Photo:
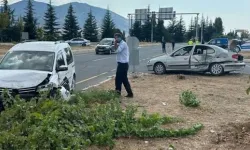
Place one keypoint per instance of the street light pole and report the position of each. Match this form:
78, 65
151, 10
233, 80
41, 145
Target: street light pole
152, 27
196, 36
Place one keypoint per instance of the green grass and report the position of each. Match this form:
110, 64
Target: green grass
89, 118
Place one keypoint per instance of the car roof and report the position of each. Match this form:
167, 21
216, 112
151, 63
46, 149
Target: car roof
39, 46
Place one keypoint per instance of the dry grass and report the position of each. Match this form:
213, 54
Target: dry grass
246, 55
224, 107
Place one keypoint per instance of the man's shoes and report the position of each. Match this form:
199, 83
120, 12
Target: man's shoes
130, 96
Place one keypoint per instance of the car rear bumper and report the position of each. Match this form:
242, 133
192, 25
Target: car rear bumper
234, 66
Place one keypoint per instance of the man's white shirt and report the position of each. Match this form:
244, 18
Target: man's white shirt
122, 53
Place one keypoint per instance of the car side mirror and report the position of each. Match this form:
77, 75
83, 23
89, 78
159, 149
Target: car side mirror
62, 68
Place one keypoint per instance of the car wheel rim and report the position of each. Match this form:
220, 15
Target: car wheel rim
217, 69
159, 68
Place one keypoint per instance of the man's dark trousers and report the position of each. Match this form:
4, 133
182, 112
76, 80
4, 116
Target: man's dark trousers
122, 78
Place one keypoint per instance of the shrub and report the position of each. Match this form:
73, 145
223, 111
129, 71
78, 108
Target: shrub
91, 118
189, 99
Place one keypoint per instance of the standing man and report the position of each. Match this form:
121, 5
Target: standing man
163, 43
122, 59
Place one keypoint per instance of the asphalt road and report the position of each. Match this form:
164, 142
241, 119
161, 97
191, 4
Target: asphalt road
92, 69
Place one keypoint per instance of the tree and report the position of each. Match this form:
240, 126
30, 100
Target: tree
30, 21
7, 10
137, 29
108, 26
90, 30
20, 23
172, 28
40, 33
159, 31
146, 31
191, 31
218, 26
4, 21
180, 31
50, 26
70, 25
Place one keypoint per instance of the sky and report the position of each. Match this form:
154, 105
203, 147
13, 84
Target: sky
235, 14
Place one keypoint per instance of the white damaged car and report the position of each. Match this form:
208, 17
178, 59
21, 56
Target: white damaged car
31, 67
198, 58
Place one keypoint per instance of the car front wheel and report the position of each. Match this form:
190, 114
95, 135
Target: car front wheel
216, 69
73, 86
159, 68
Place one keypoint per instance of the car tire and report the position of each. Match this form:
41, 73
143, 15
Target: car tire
216, 69
84, 44
73, 86
96, 53
238, 49
159, 69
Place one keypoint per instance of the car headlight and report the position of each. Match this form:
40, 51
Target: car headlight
45, 87
149, 61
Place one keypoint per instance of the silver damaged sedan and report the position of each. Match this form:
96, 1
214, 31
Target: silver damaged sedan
198, 58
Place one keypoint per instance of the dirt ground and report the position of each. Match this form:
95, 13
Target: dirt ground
224, 110
246, 55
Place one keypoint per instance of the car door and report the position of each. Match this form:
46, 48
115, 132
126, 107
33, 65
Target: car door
61, 61
70, 64
202, 56
179, 60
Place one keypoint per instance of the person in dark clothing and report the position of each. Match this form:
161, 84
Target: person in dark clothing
163, 43
173, 44
123, 66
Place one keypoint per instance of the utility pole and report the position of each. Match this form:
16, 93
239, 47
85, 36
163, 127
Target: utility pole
196, 35
152, 27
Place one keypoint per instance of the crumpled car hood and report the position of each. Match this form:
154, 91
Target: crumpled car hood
21, 78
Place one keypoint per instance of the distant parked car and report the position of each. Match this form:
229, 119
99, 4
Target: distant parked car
78, 41
198, 58
221, 42
106, 46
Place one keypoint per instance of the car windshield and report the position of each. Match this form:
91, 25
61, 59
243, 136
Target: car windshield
28, 60
106, 42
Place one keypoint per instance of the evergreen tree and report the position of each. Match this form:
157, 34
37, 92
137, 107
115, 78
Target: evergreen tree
137, 29
108, 26
40, 33
50, 26
159, 31
30, 21
20, 23
172, 29
90, 28
10, 13
180, 31
71, 25
146, 31
191, 30
218, 26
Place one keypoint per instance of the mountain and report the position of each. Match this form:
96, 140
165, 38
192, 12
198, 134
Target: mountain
81, 11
